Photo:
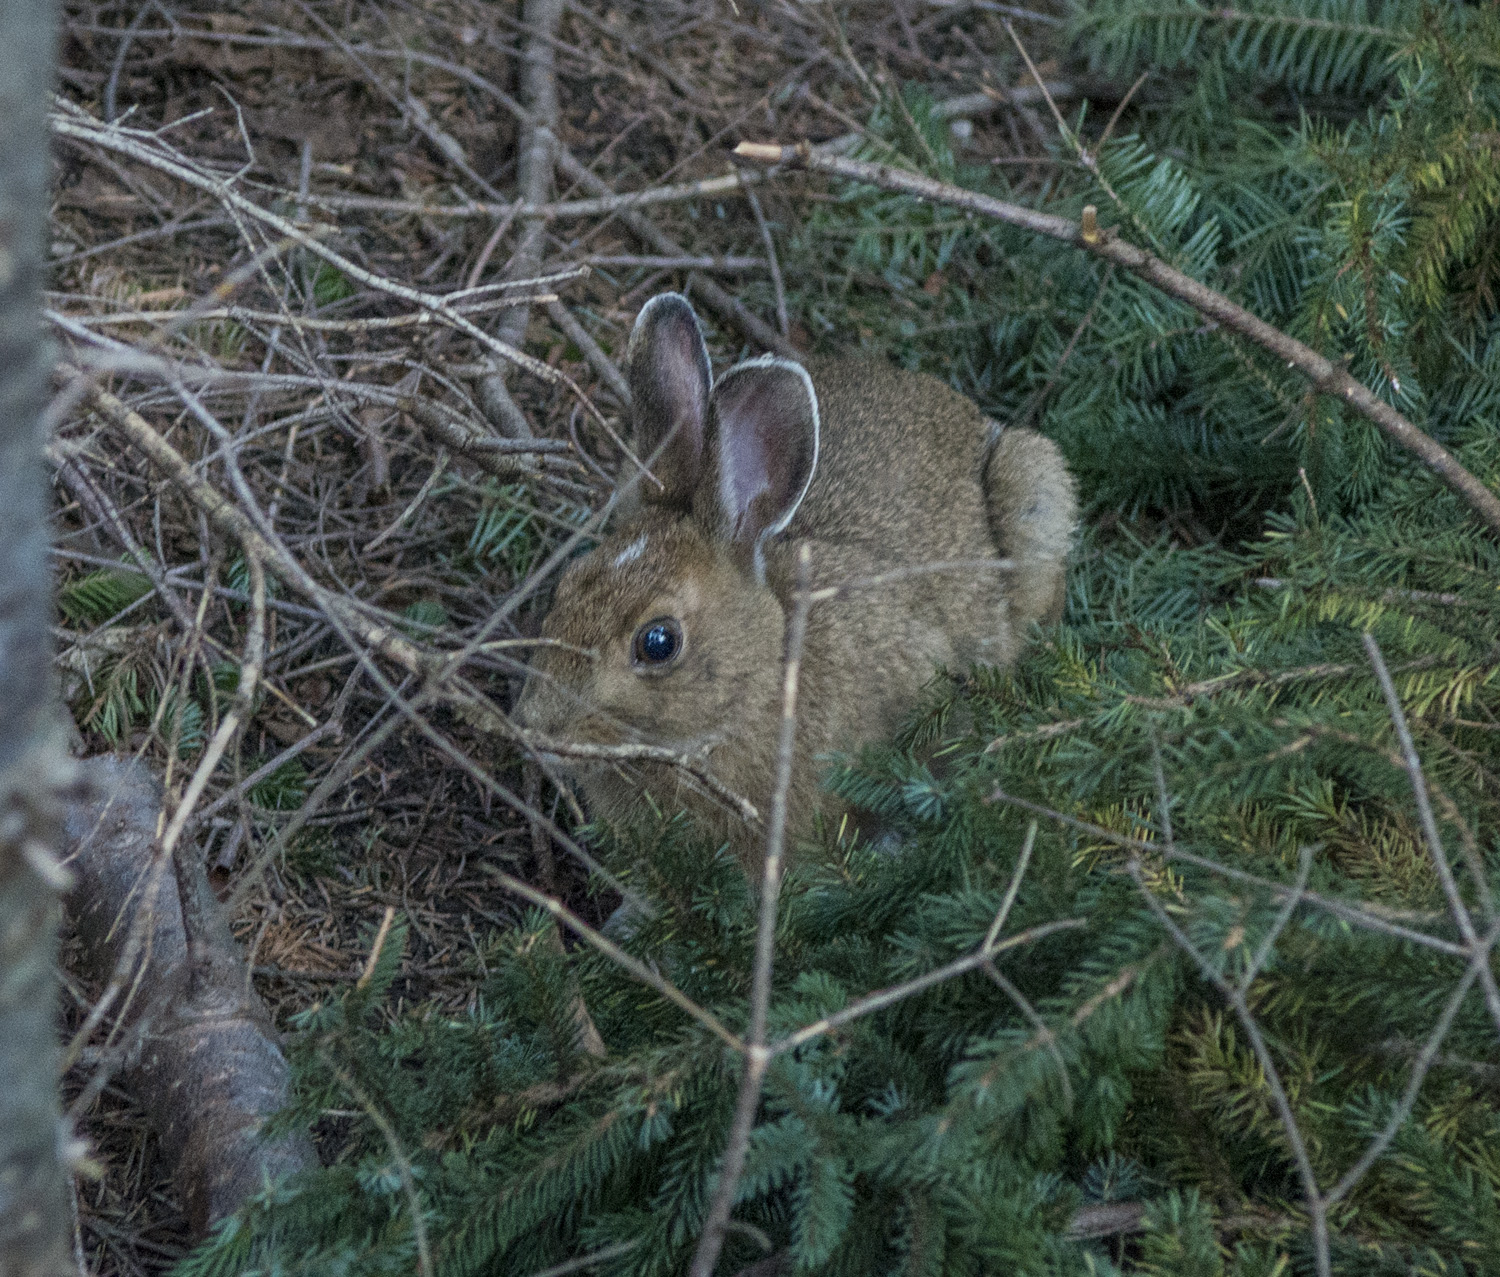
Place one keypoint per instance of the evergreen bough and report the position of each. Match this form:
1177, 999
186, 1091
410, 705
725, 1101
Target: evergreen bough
1334, 167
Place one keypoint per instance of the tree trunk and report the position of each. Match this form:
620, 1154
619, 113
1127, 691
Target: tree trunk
34, 1205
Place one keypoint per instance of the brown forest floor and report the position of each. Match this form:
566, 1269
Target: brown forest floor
369, 123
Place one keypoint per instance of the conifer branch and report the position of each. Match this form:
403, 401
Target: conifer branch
1318, 1201
617, 955
1426, 1058
1317, 1204
1363, 915
984, 956
1186, 694
398, 1156
1042, 1031
1327, 376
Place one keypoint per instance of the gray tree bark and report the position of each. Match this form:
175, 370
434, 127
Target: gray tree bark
34, 768
203, 1061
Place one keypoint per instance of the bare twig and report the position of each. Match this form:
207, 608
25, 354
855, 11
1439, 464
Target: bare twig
250, 671
1043, 1030
112, 85
443, 142
1023, 861
694, 767
1188, 693
538, 141
757, 1056
882, 579
137, 431
591, 1260
347, 618
542, 211
303, 323
376, 945
782, 322
728, 263
727, 307
139, 147
269, 768
506, 459
601, 363
1413, 766
1279, 924
1462, 919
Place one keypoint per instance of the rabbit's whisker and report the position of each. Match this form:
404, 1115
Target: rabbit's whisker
497, 645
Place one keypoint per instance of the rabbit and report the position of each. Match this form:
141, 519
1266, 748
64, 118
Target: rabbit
672, 632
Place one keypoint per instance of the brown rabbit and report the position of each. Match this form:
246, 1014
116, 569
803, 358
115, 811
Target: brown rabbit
672, 631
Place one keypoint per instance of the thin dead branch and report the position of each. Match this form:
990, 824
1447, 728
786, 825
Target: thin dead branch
144, 149
538, 141
1463, 919
757, 1057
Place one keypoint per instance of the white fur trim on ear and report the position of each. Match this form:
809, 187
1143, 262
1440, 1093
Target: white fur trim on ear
776, 361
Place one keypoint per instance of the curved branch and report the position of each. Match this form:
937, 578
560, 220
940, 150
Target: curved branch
1325, 375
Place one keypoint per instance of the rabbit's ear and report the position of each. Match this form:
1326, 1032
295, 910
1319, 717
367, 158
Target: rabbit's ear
763, 448
670, 380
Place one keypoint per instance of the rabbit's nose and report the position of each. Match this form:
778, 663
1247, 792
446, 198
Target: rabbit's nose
538, 709
525, 714
526, 707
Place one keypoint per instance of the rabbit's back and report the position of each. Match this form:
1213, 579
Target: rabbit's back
897, 495
899, 465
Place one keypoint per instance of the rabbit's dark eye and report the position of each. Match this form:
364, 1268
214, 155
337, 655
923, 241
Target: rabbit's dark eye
657, 642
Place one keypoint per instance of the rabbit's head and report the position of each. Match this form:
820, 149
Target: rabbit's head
667, 633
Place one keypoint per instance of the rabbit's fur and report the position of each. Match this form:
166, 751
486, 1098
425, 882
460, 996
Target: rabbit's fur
874, 468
